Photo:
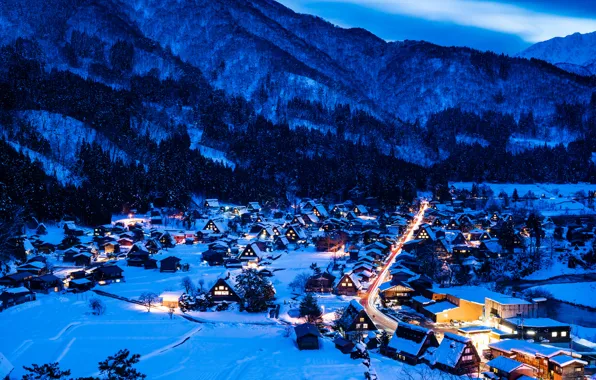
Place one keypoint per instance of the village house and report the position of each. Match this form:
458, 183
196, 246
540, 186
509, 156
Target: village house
538, 329
15, 296
251, 253
399, 292
320, 283
224, 291
360, 210
348, 285
211, 203
107, 274
410, 342
355, 319
253, 207
456, 354
46, 283
504, 368
307, 336
16, 280
551, 362
169, 264
171, 299
35, 267
295, 234
80, 285
215, 226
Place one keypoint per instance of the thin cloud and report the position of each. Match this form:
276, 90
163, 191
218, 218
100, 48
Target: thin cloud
530, 25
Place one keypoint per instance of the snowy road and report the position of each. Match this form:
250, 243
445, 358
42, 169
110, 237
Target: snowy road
381, 320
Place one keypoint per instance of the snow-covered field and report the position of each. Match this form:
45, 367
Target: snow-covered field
580, 293
554, 199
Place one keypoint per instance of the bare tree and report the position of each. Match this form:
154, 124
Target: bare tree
97, 306
148, 300
189, 287
298, 285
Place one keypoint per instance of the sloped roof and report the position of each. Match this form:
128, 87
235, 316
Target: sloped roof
505, 364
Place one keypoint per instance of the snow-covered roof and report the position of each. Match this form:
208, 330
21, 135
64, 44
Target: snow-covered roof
505, 364
356, 305
537, 322
450, 350
529, 348
423, 300
477, 294
80, 281
565, 360
440, 307
20, 289
34, 264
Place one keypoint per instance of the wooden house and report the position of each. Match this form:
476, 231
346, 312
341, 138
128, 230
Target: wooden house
211, 203
16, 280
344, 345
104, 230
46, 248
320, 283
320, 211
83, 259
41, 229
551, 362
356, 319
281, 243
111, 247
125, 242
224, 291
80, 284
400, 292
360, 210
46, 283
153, 246
169, 264
425, 232
252, 253
171, 299
253, 207
35, 267
298, 220
307, 336
214, 258
107, 274
15, 296
166, 240
504, 368
216, 226
295, 234
456, 354
348, 285
410, 342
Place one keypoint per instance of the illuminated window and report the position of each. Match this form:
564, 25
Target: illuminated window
361, 319
468, 358
365, 325
578, 369
531, 332
554, 334
563, 333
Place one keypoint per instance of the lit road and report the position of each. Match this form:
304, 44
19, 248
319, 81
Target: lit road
369, 298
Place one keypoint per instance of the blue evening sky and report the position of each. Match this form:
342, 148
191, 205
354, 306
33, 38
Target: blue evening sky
503, 26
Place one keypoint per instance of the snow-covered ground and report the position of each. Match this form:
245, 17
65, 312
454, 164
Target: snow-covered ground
554, 199
579, 293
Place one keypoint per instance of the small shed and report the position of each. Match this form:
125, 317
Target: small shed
171, 299
307, 336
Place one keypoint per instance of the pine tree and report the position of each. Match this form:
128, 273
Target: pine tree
255, 290
309, 309
120, 366
50, 371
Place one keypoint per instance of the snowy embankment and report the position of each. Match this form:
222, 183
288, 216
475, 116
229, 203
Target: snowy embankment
578, 293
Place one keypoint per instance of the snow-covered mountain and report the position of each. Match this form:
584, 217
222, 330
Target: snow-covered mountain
575, 53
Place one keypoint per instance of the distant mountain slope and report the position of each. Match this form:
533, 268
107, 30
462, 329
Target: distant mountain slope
575, 53
264, 51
